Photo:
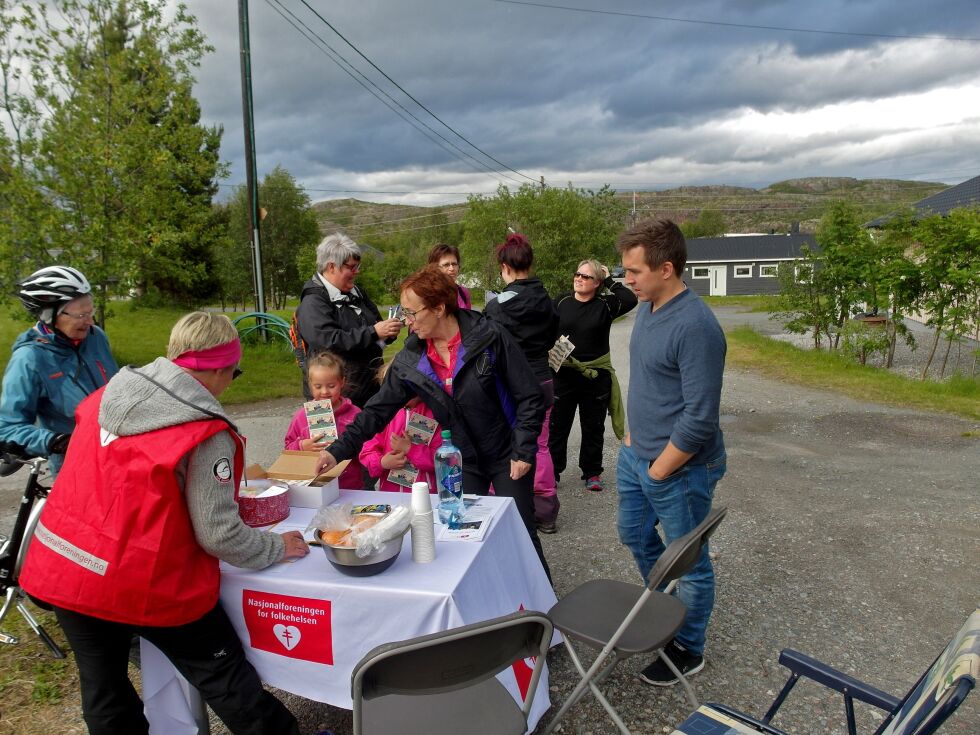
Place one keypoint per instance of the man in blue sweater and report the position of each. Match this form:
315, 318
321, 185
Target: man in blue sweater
674, 453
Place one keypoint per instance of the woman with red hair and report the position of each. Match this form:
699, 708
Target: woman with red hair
474, 377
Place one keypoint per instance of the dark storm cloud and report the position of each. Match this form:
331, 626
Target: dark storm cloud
571, 93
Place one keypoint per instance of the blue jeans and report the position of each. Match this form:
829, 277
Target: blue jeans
679, 503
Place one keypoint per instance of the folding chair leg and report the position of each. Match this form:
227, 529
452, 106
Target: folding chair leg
681, 678
589, 679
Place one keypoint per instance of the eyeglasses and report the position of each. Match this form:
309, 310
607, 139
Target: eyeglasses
236, 373
83, 317
355, 268
586, 276
410, 315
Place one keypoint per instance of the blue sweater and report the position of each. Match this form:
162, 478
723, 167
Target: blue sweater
677, 358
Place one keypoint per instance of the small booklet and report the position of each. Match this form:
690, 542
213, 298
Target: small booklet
474, 523
320, 419
404, 476
420, 429
560, 352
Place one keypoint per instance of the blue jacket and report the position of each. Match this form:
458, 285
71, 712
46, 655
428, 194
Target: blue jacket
45, 380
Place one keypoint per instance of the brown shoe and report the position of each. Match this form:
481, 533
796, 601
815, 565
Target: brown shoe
548, 527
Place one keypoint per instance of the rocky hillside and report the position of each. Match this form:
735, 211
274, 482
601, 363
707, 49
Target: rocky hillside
745, 209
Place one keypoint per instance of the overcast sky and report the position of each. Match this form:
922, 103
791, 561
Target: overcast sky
596, 98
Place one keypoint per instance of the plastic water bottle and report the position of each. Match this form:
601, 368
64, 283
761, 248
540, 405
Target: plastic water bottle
449, 479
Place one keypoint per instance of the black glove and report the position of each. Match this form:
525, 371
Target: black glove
58, 444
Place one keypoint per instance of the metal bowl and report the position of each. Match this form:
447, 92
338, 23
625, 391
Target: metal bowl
346, 560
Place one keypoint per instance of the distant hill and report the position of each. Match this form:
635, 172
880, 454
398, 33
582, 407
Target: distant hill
745, 209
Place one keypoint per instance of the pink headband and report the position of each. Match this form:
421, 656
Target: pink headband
213, 358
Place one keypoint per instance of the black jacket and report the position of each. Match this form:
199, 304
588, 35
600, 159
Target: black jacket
495, 411
526, 310
587, 323
335, 326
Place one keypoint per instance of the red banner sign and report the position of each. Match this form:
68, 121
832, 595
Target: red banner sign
295, 627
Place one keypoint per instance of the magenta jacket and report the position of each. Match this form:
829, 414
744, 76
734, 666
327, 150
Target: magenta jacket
351, 478
420, 455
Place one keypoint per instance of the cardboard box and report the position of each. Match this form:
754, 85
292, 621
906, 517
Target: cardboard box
293, 466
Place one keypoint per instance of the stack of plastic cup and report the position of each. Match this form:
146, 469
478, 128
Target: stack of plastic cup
423, 534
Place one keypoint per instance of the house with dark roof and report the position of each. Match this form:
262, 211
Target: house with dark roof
741, 265
966, 194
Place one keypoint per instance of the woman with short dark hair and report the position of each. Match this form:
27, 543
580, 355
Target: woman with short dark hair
448, 259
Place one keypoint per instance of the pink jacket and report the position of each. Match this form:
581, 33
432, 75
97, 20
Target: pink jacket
299, 429
420, 455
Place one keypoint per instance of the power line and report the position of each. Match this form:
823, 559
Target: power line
333, 55
752, 26
411, 97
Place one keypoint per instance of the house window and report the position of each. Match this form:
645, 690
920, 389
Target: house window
768, 271
699, 273
743, 271
803, 273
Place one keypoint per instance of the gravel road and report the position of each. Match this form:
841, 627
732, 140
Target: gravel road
852, 535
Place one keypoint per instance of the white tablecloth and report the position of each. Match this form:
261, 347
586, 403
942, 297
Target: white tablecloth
305, 625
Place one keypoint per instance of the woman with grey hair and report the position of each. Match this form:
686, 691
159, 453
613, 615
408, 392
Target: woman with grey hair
335, 315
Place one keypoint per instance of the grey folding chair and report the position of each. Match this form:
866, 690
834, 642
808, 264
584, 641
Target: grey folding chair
445, 683
932, 699
623, 619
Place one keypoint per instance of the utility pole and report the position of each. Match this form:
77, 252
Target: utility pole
633, 213
542, 182
251, 174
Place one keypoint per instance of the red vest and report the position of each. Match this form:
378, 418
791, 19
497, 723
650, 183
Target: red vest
115, 539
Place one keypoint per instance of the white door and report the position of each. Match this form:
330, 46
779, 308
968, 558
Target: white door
719, 280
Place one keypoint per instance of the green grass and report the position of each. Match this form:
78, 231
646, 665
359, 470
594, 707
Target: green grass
746, 303
139, 335
749, 349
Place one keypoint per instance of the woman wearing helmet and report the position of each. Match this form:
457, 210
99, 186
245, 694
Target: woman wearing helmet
53, 365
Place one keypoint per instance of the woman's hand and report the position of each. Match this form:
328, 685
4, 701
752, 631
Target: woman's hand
325, 463
311, 445
393, 460
518, 468
296, 546
388, 328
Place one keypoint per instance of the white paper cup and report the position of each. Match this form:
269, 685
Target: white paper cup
420, 497
423, 538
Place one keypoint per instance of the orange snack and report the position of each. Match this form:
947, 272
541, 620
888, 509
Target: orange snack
335, 538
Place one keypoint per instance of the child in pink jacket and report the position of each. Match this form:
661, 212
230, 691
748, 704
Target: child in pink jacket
392, 454
325, 376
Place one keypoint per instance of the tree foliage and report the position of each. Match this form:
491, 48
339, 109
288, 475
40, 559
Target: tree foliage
113, 164
564, 227
710, 223
288, 231
929, 265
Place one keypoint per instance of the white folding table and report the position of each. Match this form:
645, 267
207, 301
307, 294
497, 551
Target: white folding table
305, 625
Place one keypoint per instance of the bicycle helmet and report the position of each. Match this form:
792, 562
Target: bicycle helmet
43, 292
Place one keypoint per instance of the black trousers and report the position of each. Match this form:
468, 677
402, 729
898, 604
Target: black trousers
591, 397
207, 652
522, 491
